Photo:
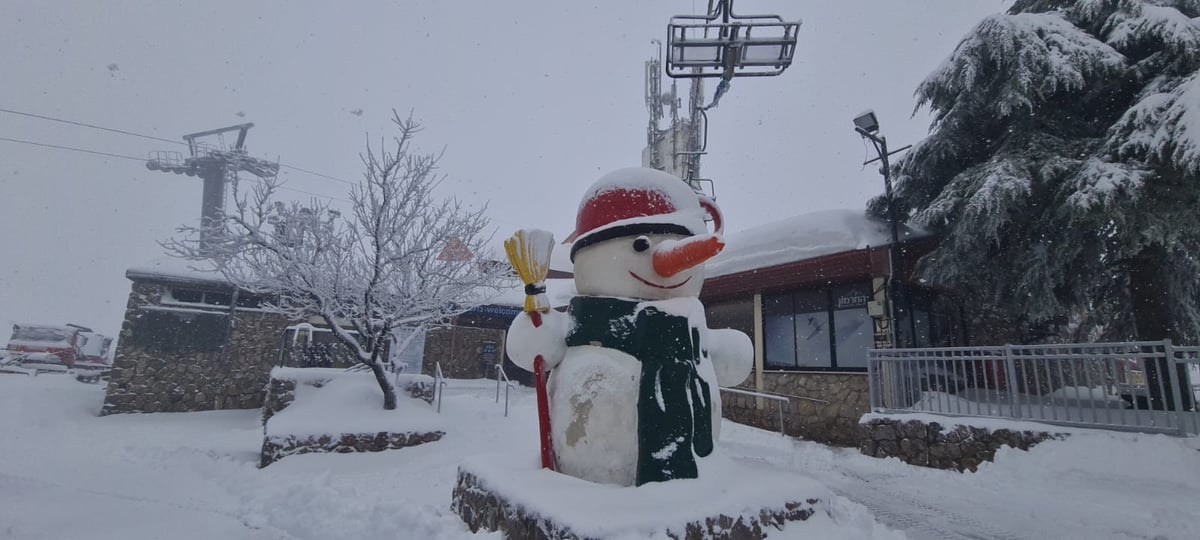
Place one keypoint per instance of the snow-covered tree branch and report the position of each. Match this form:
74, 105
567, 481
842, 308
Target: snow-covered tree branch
1062, 170
401, 259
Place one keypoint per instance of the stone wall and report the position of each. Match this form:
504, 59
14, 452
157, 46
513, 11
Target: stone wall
459, 349
484, 509
172, 374
277, 448
835, 422
961, 448
281, 392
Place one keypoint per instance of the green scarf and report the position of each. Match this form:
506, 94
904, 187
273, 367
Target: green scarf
674, 413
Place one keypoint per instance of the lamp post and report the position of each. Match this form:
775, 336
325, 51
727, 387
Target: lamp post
868, 127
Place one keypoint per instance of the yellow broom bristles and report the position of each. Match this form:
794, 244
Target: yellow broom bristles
529, 252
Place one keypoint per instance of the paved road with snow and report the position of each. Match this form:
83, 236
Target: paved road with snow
1099, 485
68, 474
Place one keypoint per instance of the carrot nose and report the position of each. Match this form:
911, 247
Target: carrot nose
675, 257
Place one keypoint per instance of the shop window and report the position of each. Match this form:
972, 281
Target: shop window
249, 301
218, 298
812, 329
179, 295
180, 331
779, 331
818, 328
186, 296
926, 323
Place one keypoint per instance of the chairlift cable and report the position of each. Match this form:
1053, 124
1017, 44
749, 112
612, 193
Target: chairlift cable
109, 154
151, 137
93, 126
71, 148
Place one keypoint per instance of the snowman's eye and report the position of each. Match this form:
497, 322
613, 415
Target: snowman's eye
641, 244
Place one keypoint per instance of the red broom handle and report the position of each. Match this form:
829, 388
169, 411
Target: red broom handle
543, 402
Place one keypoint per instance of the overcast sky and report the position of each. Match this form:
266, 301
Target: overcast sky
532, 101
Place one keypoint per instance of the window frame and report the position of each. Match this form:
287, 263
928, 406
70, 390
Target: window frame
830, 310
169, 298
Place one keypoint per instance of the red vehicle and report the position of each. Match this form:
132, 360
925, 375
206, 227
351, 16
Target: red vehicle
69, 346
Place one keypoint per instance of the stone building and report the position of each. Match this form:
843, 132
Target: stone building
809, 291
190, 343
470, 347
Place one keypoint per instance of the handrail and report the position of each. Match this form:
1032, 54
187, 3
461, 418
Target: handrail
439, 384
780, 399
508, 384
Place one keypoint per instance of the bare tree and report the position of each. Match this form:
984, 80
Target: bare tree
402, 259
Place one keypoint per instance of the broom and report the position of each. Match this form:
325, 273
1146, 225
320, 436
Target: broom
529, 254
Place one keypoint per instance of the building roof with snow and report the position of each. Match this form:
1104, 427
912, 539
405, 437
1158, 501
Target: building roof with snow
803, 237
176, 270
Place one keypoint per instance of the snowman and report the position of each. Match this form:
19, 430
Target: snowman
634, 370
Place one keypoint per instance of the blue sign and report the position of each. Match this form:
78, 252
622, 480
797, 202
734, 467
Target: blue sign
493, 310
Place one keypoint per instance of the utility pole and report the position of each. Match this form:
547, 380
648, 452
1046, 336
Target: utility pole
867, 126
215, 166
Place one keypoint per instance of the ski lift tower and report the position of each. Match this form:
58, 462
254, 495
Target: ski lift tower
722, 44
215, 165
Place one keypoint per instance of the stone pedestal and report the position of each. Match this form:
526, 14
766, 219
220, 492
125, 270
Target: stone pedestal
734, 501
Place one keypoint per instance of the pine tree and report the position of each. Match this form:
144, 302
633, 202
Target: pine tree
1062, 171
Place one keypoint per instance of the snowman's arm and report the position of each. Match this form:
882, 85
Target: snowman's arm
526, 341
732, 355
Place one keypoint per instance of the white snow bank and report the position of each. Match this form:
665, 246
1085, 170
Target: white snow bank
308, 375
803, 237
195, 476
350, 403
725, 487
313, 376
1116, 471
1084, 393
1094, 484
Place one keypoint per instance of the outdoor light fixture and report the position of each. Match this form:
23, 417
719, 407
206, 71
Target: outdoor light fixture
867, 126
723, 44
867, 122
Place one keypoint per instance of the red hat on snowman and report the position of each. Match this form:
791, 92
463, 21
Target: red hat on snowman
636, 201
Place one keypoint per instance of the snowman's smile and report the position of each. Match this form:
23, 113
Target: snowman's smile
652, 284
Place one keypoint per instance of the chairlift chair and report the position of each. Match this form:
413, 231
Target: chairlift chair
726, 45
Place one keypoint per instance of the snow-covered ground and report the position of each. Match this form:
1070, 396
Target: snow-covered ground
67, 474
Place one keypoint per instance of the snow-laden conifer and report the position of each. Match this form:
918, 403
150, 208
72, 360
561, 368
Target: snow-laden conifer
1062, 170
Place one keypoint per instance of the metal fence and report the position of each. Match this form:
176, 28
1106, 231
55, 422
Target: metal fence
1148, 386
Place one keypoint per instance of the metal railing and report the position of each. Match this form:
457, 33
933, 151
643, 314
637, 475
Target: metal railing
508, 384
782, 401
439, 384
1147, 386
